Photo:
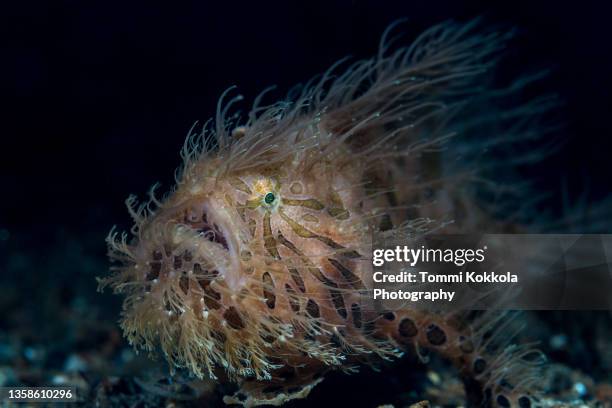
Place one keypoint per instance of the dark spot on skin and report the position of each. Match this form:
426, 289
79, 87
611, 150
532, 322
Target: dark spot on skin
178, 262
335, 340
479, 366
389, 316
503, 401
219, 336
233, 318
212, 297
385, 223
341, 249
269, 240
213, 235
347, 274
297, 278
294, 302
268, 290
407, 328
290, 245
312, 308
295, 274
436, 335
356, 312
268, 338
157, 255
184, 284
188, 256
220, 239
339, 213
208, 276
524, 402
316, 272
338, 302
154, 272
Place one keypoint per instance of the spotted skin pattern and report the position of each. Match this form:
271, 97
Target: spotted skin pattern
256, 268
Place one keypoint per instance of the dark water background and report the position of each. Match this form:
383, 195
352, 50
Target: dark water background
99, 96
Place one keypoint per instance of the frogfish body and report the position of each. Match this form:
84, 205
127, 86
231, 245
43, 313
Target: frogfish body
256, 268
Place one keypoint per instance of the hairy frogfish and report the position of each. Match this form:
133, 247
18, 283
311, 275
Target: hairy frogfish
254, 269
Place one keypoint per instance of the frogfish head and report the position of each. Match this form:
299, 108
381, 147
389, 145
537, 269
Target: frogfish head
251, 273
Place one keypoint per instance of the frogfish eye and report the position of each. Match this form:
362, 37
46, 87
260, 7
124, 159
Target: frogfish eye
269, 198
